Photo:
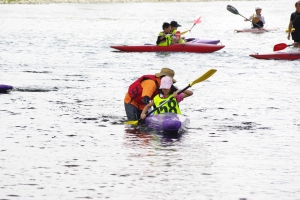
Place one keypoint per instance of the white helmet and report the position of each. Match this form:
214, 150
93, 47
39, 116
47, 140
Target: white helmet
258, 8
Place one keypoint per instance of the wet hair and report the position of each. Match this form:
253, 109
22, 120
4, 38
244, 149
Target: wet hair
298, 2
165, 25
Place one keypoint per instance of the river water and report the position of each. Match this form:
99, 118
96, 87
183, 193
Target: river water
62, 127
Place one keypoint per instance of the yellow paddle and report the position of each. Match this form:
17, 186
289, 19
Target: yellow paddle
205, 76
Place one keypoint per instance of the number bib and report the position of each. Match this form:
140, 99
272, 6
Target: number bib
170, 107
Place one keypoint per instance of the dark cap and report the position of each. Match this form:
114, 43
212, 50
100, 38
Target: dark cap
175, 24
165, 25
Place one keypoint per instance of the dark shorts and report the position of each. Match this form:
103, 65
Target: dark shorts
296, 36
132, 112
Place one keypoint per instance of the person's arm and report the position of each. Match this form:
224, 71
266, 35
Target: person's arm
187, 93
146, 108
249, 19
159, 39
183, 95
263, 20
184, 32
146, 100
290, 30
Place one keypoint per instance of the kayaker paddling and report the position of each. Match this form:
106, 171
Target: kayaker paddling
258, 20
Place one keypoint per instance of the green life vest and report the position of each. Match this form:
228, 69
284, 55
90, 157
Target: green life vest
167, 41
170, 107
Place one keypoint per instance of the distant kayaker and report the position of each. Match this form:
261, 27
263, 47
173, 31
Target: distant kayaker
164, 37
166, 92
258, 21
295, 24
176, 35
142, 91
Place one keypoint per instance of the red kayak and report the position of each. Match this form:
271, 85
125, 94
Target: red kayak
187, 47
256, 30
277, 56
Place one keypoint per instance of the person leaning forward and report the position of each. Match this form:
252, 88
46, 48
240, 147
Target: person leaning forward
142, 91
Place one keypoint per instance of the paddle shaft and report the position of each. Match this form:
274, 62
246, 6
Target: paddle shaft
192, 27
253, 23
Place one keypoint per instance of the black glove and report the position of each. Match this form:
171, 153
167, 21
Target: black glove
146, 100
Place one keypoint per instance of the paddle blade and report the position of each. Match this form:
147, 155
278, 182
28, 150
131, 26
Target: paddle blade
132, 122
232, 10
205, 76
280, 46
198, 20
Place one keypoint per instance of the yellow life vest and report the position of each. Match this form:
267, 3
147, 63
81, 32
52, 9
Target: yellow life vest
170, 107
167, 41
255, 19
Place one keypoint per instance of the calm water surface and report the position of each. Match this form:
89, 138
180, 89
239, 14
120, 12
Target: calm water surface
62, 127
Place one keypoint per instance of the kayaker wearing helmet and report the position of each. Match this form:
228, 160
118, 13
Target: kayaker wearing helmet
258, 21
142, 91
295, 24
164, 37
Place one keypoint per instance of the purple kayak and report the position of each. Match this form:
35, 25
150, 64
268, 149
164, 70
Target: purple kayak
5, 88
202, 40
168, 122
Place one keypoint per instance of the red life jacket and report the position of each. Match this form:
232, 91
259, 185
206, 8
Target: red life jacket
135, 89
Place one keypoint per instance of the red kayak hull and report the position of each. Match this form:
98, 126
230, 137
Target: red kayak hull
256, 30
187, 47
277, 56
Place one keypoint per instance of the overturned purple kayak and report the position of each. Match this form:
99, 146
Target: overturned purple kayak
5, 88
168, 122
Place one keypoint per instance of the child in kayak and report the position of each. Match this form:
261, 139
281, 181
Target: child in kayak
176, 35
142, 90
164, 37
167, 91
258, 21
295, 24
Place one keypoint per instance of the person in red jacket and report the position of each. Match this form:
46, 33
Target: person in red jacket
142, 91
